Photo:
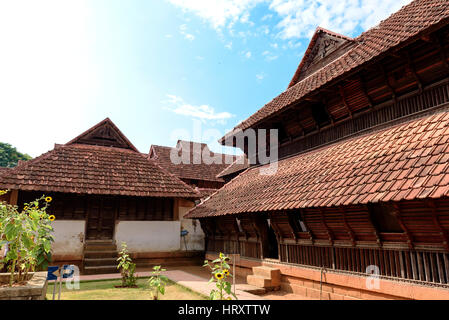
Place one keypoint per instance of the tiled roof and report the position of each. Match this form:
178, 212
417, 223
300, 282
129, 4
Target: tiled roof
403, 25
403, 162
240, 164
205, 192
309, 51
3, 170
192, 170
114, 167
90, 169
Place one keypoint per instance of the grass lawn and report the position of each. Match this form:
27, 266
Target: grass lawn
105, 290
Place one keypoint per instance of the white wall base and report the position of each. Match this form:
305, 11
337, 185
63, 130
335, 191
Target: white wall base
148, 236
69, 237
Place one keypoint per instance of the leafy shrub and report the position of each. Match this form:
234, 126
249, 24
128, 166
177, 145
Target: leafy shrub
27, 236
127, 267
157, 282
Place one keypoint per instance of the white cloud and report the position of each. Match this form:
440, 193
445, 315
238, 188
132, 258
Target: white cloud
228, 45
298, 18
202, 112
247, 54
218, 12
266, 17
269, 56
260, 76
183, 31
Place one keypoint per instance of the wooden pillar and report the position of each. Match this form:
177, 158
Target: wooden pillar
176, 209
13, 197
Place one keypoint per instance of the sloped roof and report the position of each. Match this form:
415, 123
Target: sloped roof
409, 22
403, 162
3, 170
96, 169
323, 42
240, 164
196, 169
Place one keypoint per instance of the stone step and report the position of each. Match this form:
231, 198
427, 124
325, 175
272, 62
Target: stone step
100, 262
251, 289
100, 247
270, 273
258, 281
94, 254
100, 270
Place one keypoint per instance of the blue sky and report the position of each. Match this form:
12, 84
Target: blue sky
156, 68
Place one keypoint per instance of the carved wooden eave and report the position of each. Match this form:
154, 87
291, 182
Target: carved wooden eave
324, 47
106, 134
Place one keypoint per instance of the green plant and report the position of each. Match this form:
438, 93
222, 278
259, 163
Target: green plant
127, 267
27, 235
220, 273
157, 282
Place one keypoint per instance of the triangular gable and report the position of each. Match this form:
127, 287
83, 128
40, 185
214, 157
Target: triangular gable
323, 44
104, 134
192, 146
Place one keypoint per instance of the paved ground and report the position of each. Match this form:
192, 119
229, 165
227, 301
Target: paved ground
196, 279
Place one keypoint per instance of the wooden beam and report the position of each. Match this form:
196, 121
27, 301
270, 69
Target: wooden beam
298, 121
13, 197
328, 230
301, 213
442, 50
365, 91
376, 232
324, 102
397, 214
437, 222
387, 82
412, 68
347, 226
343, 98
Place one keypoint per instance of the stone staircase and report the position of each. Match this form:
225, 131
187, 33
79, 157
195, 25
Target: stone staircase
262, 280
100, 257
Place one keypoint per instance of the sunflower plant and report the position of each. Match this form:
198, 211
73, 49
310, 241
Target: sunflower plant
220, 275
27, 235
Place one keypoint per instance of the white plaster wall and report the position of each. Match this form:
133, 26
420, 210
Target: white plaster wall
195, 238
148, 236
69, 237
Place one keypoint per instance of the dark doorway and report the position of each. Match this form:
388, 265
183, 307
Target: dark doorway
273, 249
100, 219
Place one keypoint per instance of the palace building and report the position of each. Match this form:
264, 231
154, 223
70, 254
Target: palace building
106, 192
361, 191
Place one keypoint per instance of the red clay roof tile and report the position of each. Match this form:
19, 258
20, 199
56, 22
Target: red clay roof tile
192, 170
400, 27
328, 176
